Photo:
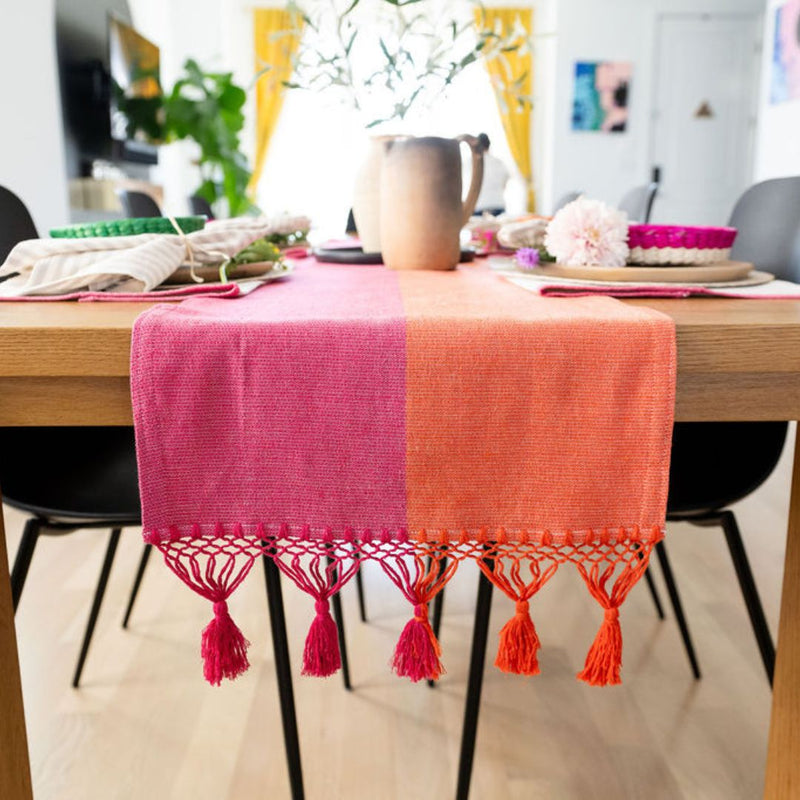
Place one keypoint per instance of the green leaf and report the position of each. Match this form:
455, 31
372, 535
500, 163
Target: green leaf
385, 49
232, 97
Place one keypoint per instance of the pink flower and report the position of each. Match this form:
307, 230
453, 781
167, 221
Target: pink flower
527, 258
588, 233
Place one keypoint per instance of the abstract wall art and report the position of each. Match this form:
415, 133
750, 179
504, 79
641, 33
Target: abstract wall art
785, 72
600, 101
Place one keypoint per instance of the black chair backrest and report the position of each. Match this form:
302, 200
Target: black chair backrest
767, 217
638, 203
199, 205
138, 204
16, 224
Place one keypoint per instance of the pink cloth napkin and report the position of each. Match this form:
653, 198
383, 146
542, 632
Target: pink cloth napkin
219, 290
774, 290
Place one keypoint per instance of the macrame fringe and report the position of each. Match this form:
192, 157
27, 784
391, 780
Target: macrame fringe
519, 644
223, 647
604, 659
321, 656
417, 653
215, 563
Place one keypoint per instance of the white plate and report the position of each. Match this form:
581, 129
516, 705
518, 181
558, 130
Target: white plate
262, 271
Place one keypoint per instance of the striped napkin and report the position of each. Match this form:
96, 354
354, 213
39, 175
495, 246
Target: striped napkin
127, 264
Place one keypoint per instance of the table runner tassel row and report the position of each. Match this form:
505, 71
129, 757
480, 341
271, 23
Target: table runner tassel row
609, 561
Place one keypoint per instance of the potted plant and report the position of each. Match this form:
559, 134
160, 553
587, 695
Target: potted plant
205, 107
393, 58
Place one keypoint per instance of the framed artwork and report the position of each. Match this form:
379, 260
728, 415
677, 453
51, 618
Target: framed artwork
785, 71
600, 100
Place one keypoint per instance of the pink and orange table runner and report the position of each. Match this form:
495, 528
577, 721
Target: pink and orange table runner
417, 419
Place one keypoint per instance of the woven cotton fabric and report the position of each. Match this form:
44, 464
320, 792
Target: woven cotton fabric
419, 419
122, 264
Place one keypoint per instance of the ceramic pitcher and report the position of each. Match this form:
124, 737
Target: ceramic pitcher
421, 208
367, 194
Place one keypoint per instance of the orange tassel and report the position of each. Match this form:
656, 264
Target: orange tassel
519, 644
604, 659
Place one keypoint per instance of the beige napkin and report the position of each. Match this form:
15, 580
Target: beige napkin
128, 263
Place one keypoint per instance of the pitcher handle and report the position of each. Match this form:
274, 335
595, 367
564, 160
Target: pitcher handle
477, 175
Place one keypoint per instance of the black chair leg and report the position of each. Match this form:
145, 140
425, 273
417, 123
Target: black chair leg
474, 686
438, 606
654, 593
105, 571
338, 617
749, 591
22, 560
137, 582
283, 672
362, 606
677, 607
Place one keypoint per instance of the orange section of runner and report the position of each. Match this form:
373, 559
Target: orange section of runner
540, 415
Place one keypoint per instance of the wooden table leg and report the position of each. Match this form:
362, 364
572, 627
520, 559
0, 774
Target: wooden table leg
15, 771
783, 758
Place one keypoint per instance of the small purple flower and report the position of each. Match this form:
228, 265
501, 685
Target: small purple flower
527, 257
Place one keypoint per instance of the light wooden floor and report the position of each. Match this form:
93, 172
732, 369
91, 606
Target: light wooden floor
145, 725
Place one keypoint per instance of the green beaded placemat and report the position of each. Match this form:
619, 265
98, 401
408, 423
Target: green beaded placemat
128, 227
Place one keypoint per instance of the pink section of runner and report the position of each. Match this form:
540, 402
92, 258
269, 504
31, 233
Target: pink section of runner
210, 432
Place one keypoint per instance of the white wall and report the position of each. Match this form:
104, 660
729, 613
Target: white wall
31, 139
607, 165
778, 138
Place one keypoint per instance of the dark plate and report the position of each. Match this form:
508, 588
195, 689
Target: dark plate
355, 255
346, 255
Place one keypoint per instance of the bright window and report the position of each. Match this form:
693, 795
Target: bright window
317, 148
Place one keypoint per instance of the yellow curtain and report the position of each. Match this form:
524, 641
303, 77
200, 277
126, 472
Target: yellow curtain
277, 52
516, 120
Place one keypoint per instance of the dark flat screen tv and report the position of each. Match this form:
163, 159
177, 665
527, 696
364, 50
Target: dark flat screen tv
134, 93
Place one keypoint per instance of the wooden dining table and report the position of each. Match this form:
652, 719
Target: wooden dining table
68, 364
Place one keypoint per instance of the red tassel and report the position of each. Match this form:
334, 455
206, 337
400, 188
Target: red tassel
519, 644
417, 653
604, 659
223, 648
321, 656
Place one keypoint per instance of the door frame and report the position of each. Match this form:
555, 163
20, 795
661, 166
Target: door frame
757, 20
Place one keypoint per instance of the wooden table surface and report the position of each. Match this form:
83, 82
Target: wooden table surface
68, 364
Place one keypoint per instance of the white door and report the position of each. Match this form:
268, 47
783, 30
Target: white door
704, 115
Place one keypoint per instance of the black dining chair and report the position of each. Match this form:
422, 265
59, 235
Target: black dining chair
637, 203
64, 478
16, 223
713, 464
201, 206
138, 204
